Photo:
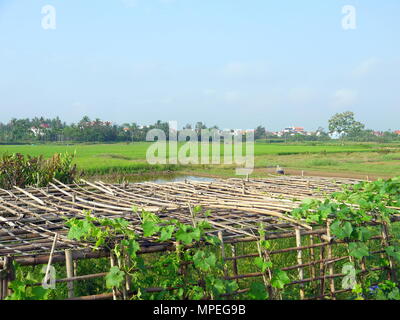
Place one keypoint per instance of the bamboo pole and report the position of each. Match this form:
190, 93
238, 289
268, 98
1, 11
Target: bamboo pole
7, 276
322, 267
331, 268
312, 256
234, 261
113, 264
223, 255
300, 262
2, 276
69, 264
386, 242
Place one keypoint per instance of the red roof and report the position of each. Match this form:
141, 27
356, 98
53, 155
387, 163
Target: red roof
397, 132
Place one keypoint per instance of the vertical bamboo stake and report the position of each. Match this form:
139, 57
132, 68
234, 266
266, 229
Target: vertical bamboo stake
331, 270
312, 257
75, 268
300, 261
128, 278
120, 265
322, 268
385, 240
6, 276
69, 264
112, 263
235, 265
263, 253
2, 274
221, 238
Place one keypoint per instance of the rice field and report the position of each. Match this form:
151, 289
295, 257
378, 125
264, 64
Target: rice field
131, 158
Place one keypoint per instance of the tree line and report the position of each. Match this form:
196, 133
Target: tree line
342, 125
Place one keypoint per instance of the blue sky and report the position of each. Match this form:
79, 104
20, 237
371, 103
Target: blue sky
235, 63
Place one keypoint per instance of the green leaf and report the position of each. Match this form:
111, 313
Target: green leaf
133, 248
166, 233
347, 229
358, 250
199, 261
196, 234
149, 228
219, 286
263, 265
184, 237
364, 234
342, 230
280, 279
393, 252
114, 278
211, 260
79, 229
258, 291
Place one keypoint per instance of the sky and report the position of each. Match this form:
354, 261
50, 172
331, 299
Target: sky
231, 63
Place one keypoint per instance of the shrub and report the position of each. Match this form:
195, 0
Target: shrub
18, 170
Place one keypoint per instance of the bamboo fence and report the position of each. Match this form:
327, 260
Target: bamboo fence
33, 231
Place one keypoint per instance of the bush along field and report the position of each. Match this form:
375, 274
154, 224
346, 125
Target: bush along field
22, 171
194, 268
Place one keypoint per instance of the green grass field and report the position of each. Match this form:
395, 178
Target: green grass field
372, 159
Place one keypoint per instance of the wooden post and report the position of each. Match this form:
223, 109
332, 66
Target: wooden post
2, 274
75, 268
6, 277
221, 238
386, 243
312, 257
322, 268
121, 262
300, 261
235, 266
331, 269
112, 263
69, 264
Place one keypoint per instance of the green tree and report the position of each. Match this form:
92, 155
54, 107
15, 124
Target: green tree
345, 125
260, 133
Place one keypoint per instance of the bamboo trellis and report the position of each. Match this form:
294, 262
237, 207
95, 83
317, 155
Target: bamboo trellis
30, 219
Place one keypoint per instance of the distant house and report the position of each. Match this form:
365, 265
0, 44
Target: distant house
299, 130
293, 131
240, 132
397, 132
378, 133
38, 131
44, 126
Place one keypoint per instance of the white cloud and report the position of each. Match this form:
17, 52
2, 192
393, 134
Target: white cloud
167, 1
130, 3
239, 69
365, 67
134, 3
302, 95
344, 98
231, 96
209, 92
